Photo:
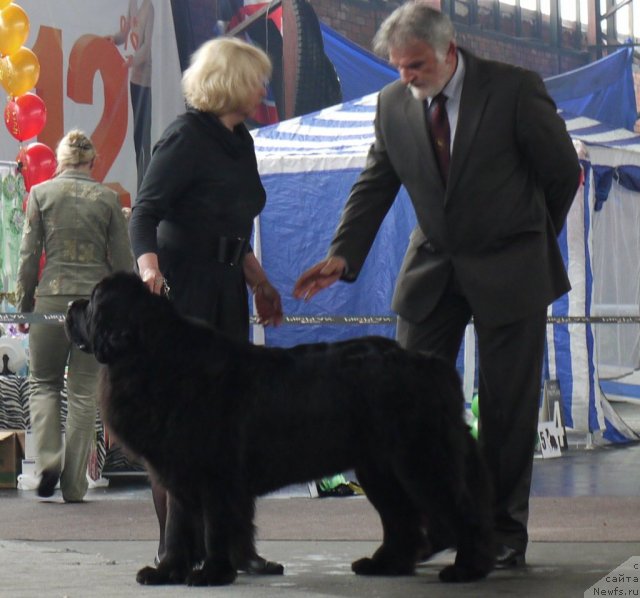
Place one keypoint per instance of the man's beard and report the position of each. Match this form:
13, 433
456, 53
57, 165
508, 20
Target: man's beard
419, 93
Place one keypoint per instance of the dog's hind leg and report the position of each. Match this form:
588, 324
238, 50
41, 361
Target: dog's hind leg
243, 549
242, 541
400, 525
454, 492
218, 530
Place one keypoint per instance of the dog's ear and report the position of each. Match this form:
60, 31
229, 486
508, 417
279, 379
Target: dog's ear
116, 305
110, 344
75, 325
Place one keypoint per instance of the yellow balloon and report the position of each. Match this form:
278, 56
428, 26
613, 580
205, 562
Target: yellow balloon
22, 72
4, 3
14, 29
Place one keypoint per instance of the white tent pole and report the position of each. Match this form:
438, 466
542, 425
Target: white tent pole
258, 329
468, 378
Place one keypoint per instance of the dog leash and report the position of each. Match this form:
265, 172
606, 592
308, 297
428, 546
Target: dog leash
31, 318
361, 320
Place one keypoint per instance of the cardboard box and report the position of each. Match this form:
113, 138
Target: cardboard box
11, 453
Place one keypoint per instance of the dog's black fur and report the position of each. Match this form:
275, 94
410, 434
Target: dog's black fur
221, 422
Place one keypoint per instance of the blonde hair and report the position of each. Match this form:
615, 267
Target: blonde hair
74, 149
223, 75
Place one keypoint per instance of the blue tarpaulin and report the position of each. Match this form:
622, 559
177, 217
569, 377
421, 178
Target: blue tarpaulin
602, 90
360, 72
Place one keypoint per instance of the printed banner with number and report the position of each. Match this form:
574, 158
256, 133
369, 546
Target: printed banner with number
110, 69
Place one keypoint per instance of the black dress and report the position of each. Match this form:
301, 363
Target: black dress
202, 185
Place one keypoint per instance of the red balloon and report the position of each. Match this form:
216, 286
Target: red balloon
25, 116
38, 164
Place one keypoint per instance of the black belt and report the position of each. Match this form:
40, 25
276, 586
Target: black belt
225, 250
229, 250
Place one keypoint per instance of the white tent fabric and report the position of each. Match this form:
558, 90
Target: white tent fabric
308, 165
571, 344
338, 136
345, 130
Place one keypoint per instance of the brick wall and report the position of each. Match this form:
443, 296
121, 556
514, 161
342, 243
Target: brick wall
521, 53
358, 20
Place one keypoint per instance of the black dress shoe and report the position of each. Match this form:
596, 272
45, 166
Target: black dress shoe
260, 566
48, 482
509, 558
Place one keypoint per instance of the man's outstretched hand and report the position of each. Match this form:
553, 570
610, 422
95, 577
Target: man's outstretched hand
319, 277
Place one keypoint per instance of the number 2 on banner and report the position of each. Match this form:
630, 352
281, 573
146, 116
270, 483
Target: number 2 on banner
90, 54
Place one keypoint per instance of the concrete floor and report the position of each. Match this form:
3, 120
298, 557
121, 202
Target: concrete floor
72, 560
313, 569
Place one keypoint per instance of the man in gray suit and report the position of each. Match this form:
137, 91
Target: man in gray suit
488, 214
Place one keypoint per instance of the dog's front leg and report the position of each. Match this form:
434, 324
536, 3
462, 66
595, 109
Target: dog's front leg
217, 568
243, 549
180, 538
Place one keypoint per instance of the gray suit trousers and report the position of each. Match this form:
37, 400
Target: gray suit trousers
510, 375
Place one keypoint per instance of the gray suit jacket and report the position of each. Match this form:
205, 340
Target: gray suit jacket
513, 175
80, 225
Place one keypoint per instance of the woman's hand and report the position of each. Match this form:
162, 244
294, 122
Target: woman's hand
268, 303
154, 280
150, 273
266, 297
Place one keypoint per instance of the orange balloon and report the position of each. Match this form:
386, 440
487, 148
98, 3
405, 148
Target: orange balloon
20, 72
14, 29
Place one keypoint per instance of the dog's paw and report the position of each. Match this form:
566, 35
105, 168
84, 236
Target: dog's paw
363, 566
212, 574
458, 574
369, 566
150, 576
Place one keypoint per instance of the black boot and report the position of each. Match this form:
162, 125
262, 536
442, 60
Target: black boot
48, 482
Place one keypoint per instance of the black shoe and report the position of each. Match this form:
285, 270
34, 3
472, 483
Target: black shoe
509, 558
260, 566
48, 482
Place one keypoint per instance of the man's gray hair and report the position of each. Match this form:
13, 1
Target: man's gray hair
414, 21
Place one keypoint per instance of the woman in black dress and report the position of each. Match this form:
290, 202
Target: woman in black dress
193, 217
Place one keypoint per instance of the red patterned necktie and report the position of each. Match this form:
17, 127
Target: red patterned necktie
440, 133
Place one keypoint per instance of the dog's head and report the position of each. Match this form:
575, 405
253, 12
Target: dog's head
108, 324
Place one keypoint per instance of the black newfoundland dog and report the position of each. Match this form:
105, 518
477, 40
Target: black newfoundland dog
220, 423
